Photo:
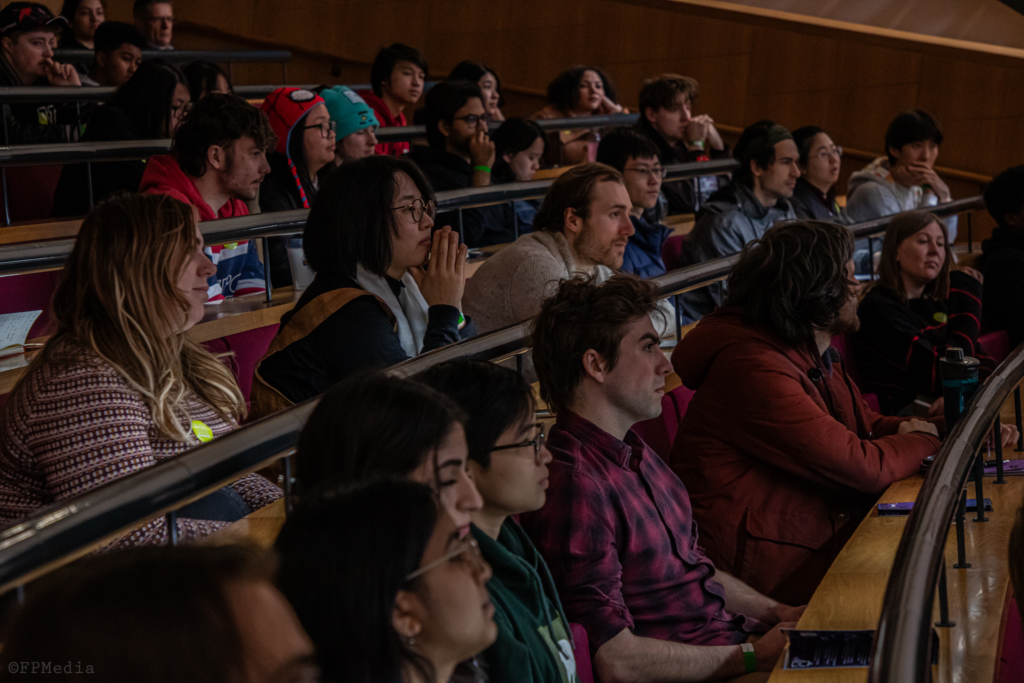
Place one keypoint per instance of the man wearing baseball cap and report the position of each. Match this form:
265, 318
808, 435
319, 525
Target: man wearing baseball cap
28, 36
356, 124
757, 198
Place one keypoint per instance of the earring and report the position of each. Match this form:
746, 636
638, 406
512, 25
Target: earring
410, 641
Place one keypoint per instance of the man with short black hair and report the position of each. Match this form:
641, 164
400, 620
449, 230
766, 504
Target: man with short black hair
155, 20
636, 157
397, 78
28, 37
118, 54
1002, 260
617, 530
666, 118
461, 155
741, 212
218, 160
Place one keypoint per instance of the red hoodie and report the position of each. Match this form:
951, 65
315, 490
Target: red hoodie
395, 149
238, 269
780, 468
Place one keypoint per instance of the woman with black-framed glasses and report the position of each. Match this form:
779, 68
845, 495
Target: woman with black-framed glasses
372, 303
508, 463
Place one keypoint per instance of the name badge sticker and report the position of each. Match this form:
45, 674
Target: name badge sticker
202, 432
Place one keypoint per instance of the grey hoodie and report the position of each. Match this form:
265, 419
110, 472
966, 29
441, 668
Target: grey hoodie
732, 217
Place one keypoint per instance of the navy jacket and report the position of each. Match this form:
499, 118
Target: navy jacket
643, 251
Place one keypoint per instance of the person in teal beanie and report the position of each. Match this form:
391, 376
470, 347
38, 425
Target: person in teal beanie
356, 124
508, 461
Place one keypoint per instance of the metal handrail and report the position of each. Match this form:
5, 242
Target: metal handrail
406, 133
55, 94
903, 643
64, 531
23, 258
219, 56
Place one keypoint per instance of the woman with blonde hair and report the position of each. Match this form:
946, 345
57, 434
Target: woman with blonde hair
919, 306
120, 387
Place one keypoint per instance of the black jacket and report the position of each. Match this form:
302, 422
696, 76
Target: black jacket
278, 192
355, 338
481, 227
1002, 264
684, 196
108, 124
808, 205
23, 120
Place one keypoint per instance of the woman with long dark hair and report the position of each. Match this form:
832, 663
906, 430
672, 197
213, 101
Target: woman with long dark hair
519, 146
580, 91
385, 585
148, 107
490, 85
205, 78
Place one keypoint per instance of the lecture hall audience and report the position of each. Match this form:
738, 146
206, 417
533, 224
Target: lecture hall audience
218, 160
508, 462
580, 91
814, 197
355, 125
147, 107
373, 425
120, 387
490, 85
920, 305
1002, 260
398, 77
155, 20
518, 149
615, 509
161, 615
371, 303
386, 585
757, 198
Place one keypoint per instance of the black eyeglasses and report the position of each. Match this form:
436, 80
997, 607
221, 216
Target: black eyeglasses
537, 442
473, 119
327, 128
418, 208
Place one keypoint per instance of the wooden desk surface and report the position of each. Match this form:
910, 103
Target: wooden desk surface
260, 527
851, 594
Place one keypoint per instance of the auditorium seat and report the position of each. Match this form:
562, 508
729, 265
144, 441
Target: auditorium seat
995, 344
660, 432
672, 251
30, 191
1010, 666
581, 653
248, 347
30, 292
841, 343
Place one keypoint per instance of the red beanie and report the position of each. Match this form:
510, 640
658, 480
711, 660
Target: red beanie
285, 107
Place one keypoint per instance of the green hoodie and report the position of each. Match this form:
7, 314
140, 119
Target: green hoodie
534, 644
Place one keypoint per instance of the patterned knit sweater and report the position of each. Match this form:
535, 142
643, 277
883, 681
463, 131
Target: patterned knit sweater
66, 430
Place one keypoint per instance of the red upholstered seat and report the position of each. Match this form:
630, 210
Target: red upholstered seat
672, 252
841, 343
1010, 667
581, 653
30, 191
249, 347
995, 344
30, 292
659, 433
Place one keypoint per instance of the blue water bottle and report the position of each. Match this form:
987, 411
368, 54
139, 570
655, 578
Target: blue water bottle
959, 382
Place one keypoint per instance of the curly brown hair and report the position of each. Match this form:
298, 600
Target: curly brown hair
793, 280
582, 316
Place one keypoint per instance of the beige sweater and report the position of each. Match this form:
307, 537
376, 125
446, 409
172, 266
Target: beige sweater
510, 286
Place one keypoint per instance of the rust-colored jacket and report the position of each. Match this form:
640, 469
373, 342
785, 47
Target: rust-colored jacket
780, 468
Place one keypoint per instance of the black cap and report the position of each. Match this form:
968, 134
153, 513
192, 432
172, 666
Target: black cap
27, 16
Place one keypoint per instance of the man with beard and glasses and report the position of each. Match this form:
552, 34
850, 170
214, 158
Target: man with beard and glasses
461, 155
218, 160
781, 455
582, 228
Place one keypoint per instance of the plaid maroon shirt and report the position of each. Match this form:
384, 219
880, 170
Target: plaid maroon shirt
619, 538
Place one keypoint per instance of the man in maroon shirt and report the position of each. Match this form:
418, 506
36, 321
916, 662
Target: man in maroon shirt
617, 530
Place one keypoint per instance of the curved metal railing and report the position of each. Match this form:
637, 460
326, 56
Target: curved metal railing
59, 94
63, 532
182, 56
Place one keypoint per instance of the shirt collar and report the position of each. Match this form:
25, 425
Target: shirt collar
616, 451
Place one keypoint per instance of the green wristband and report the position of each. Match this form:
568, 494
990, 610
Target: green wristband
485, 169
749, 658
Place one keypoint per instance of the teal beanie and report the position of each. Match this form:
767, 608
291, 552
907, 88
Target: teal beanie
348, 110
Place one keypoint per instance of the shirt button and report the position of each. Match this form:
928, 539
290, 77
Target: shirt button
842, 515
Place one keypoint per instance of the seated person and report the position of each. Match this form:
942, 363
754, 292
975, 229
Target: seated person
117, 56
305, 144
373, 425
205, 78
615, 510
87, 619
385, 585
155, 20
83, 17
917, 308
371, 304
741, 212
120, 387
781, 455
462, 155
490, 85
355, 125
814, 197
580, 91
218, 160
397, 78
509, 465
582, 227
147, 107
28, 36
636, 158
903, 180
518, 148
666, 118
1002, 260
